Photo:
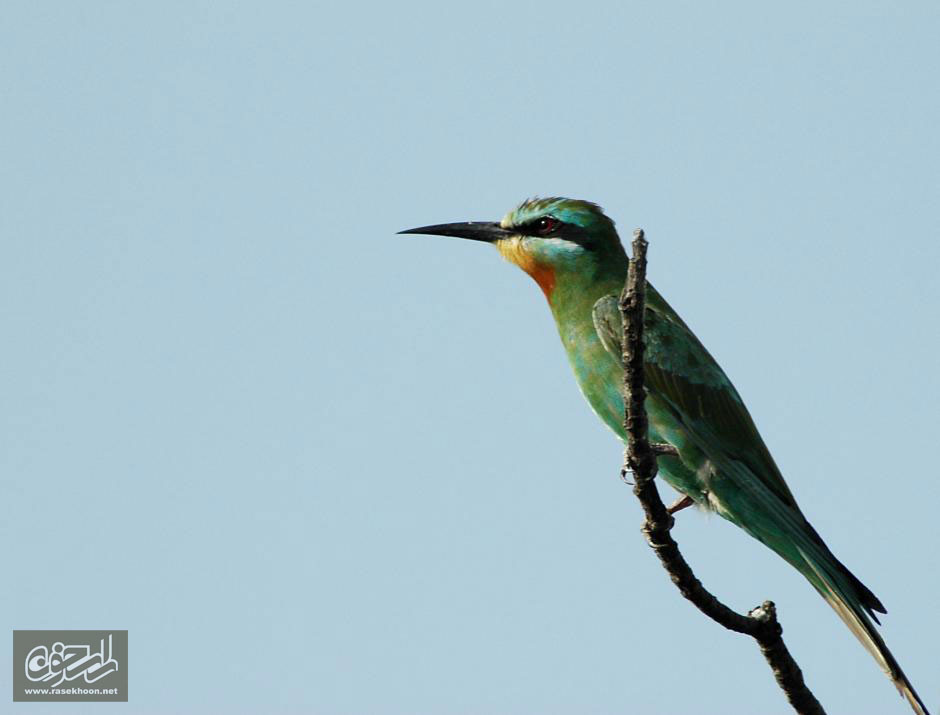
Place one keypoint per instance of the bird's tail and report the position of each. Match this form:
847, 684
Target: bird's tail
839, 593
785, 530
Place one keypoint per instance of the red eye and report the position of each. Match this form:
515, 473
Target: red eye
546, 225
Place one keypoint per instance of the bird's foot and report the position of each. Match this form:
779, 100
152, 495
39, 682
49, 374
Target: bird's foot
680, 504
661, 449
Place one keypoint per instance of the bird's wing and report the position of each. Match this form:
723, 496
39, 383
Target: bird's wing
681, 372
707, 408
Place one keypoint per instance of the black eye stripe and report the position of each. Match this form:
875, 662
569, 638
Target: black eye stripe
541, 226
557, 229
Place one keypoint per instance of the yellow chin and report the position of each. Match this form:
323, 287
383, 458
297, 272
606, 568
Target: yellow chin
513, 250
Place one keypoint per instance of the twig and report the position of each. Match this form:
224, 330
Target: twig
640, 460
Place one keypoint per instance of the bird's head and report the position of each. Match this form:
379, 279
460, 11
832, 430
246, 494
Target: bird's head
552, 239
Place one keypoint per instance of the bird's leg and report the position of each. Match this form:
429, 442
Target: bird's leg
680, 504
661, 449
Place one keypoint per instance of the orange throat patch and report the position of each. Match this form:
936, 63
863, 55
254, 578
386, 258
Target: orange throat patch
513, 251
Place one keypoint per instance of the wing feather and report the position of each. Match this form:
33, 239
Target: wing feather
680, 371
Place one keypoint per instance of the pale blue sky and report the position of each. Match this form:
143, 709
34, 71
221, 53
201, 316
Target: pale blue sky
315, 467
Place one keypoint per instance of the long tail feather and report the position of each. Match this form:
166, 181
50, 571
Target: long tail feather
860, 624
784, 529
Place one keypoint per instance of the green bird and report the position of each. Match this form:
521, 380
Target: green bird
571, 249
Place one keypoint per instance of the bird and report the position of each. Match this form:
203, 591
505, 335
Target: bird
571, 248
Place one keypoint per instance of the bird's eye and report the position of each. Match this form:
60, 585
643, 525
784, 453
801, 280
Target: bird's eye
546, 225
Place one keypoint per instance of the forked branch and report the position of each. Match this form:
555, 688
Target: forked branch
640, 459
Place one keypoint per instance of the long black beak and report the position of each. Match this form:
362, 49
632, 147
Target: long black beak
474, 230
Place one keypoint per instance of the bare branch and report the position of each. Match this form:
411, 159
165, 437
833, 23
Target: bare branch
640, 460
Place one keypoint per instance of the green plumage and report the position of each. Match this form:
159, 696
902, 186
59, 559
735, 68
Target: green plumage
572, 249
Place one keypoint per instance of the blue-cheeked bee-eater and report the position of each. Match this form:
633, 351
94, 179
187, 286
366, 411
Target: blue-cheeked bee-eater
572, 250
